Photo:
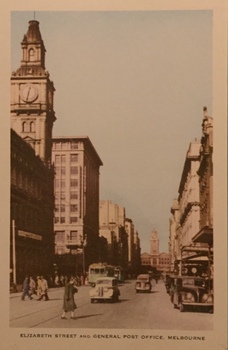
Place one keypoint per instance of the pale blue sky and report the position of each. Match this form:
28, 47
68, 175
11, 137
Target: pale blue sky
136, 84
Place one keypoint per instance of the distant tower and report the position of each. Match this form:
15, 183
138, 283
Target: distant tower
154, 244
32, 114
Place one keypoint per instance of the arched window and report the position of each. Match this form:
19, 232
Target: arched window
24, 127
32, 127
32, 55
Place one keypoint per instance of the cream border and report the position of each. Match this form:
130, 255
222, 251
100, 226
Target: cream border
216, 339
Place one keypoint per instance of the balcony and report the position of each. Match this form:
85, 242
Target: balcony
73, 243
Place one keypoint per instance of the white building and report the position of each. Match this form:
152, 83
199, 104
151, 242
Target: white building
76, 189
111, 222
111, 218
174, 234
189, 195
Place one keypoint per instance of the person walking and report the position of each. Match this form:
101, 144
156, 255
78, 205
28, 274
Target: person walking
32, 286
38, 286
25, 290
68, 299
44, 289
56, 280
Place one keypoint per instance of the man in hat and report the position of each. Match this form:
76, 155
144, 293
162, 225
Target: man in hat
44, 289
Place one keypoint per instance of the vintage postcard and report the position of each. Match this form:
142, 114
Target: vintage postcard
114, 174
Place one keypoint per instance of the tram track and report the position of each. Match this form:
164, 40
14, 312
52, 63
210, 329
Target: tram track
31, 316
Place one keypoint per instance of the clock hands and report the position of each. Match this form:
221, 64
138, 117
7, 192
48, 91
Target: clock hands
27, 98
29, 93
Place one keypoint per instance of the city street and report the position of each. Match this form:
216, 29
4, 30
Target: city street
133, 311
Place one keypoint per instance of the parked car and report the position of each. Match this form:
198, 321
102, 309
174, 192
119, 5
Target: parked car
169, 281
143, 283
105, 289
193, 292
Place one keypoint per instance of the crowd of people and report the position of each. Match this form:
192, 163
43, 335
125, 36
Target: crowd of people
39, 287
60, 281
31, 287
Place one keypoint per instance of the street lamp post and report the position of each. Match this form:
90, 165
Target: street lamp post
14, 252
112, 226
84, 244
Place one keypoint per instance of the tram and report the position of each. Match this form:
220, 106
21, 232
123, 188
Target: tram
97, 270
119, 273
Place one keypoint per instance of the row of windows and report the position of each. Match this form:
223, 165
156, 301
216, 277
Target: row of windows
65, 145
62, 195
62, 170
62, 158
62, 183
62, 220
63, 250
161, 260
60, 236
164, 261
62, 207
28, 126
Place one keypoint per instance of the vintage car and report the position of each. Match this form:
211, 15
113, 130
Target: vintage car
143, 283
169, 283
193, 293
105, 289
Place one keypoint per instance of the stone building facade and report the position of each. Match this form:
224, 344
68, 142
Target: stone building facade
191, 223
205, 173
189, 205
134, 250
111, 221
76, 188
32, 175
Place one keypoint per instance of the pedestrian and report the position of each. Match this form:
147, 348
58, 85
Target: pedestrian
38, 286
32, 286
25, 290
82, 280
44, 289
56, 280
65, 280
86, 281
62, 280
68, 299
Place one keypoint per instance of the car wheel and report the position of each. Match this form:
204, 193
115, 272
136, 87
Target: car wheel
181, 308
114, 298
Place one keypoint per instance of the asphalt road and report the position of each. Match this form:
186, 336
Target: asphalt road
152, 311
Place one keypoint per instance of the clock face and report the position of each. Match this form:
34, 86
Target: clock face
29, 93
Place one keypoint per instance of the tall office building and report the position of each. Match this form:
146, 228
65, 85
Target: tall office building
76, 187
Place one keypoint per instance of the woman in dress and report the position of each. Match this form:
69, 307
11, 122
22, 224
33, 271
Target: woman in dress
68, 299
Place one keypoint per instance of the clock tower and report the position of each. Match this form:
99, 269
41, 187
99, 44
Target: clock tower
32, 91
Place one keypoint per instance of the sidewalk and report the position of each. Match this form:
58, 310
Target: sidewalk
18, 294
